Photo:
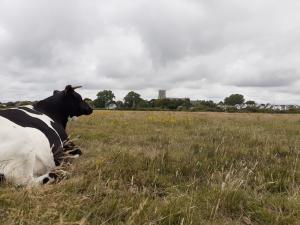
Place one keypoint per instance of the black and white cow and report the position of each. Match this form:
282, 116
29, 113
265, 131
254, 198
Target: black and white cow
32, 137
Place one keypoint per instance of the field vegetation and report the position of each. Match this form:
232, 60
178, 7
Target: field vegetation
171, 168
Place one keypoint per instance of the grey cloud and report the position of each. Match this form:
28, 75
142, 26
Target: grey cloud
201, 48
276, 78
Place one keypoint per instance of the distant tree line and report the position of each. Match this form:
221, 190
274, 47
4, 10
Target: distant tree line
233, 103
105, 99
15, 104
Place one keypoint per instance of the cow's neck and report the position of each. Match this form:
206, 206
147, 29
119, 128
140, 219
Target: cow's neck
53, 109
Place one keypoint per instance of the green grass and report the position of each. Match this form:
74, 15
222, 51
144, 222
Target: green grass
171, 168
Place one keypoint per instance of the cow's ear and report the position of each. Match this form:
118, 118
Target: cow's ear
68, 90
55, 92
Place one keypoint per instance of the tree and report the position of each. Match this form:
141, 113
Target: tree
250, 102
234, 99
103, 97
208, 104
172, 104
22, 103
132, 99
89, 101
120, 104
10, 104
144, 104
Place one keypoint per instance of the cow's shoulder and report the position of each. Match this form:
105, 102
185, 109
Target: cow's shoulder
60, 130
30, 109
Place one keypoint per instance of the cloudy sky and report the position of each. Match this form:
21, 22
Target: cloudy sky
202, 49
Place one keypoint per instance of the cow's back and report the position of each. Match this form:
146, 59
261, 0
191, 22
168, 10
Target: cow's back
34, 122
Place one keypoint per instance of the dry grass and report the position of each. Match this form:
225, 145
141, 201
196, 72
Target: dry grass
171, 168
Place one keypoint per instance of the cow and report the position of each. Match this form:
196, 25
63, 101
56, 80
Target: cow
32, 138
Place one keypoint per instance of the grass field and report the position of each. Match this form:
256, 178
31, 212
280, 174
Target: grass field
171, 168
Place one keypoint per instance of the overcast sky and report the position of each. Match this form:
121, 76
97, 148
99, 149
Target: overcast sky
202, 49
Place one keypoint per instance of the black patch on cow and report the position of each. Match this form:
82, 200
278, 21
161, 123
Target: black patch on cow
69, 147
2, 178
24, 120
45, 180
31, 110
77, 151
53, 175
60, 130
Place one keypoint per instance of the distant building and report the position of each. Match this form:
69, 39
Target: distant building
162, 94
241, 106
111, 105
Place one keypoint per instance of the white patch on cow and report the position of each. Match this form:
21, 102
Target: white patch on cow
24, 154
28, 106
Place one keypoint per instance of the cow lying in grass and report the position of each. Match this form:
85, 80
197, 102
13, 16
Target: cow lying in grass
32, 138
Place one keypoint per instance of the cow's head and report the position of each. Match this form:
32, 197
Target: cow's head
73, 103
63, 104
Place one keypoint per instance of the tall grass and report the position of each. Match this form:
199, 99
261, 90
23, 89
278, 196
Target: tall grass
171, 168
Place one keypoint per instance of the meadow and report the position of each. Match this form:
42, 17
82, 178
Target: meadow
171, 168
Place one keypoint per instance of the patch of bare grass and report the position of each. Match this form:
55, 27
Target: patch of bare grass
171, 168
